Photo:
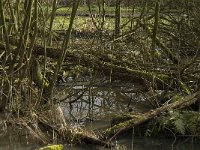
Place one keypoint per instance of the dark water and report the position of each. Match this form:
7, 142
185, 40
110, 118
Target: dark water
158, 144
92, 107
14, 142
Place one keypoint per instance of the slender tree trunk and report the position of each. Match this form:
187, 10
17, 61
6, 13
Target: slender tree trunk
25, 32
51, 21
6, 86
117, 17
132, 15
64, 48
156, 24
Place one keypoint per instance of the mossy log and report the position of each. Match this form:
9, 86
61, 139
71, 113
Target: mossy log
106, 63
141, 118
52, 147
103, 62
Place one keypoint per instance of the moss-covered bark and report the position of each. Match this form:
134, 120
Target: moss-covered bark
141, 118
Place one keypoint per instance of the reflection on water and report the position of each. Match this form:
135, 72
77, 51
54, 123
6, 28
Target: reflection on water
89, 101
13, 141
157, 144
92, 105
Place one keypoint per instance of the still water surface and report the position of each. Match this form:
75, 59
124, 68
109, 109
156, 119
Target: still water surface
22, 143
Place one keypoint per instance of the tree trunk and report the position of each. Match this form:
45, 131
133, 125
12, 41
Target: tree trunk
117, 17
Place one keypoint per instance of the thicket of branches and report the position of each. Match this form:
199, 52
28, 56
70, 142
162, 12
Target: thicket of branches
158, 46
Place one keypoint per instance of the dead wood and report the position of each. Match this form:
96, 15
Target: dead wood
141, 118
103, 62
74, 135
107, 63
45, 125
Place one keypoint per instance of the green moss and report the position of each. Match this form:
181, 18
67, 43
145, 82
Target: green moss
37, 76
184, 88
52, 147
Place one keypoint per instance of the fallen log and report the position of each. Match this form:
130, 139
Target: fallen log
138, 119
43, 130
105, 62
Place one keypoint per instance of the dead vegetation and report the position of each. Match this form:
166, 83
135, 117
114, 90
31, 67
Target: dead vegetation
159, 50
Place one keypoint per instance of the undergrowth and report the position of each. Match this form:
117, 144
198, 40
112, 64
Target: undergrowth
179, 122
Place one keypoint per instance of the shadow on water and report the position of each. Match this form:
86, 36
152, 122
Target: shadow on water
92, 106
16, 141
144, 143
